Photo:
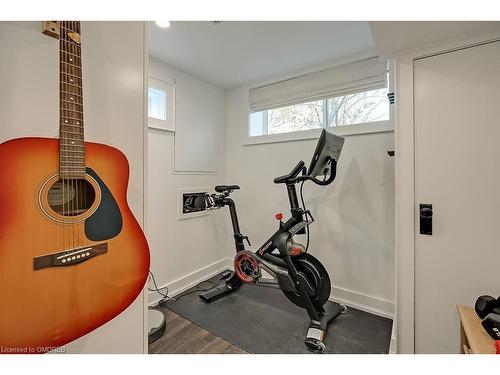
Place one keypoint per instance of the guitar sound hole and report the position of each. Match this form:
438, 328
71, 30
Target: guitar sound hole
71, 197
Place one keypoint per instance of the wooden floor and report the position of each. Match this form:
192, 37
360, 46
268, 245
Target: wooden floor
183, 337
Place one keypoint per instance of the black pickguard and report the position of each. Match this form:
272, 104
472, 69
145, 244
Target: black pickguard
106, 222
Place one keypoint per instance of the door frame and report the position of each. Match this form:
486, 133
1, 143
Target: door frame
405, 205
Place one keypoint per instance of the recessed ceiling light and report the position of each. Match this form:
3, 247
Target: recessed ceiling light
163, 24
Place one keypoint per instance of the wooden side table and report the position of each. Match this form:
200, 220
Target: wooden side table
473, 337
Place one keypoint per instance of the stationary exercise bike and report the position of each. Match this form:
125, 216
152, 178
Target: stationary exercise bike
299, 275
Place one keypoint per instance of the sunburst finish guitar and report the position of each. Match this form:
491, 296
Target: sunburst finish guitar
72, 255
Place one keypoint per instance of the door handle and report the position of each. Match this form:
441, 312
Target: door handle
426, 214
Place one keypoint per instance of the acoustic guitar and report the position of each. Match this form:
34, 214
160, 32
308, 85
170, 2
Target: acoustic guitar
72, 255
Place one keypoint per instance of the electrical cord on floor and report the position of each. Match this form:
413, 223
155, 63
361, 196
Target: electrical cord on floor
165, 296
307, 218
197, 288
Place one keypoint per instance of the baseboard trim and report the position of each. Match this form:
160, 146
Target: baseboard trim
183, 283
364, 302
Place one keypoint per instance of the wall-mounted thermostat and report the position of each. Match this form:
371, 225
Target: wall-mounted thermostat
192, 202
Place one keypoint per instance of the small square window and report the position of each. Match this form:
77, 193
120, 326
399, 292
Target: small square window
161, 105
157, 103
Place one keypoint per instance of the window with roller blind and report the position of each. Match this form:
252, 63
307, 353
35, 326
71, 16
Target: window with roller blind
347, 95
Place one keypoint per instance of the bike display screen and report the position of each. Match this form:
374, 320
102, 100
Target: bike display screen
329, 147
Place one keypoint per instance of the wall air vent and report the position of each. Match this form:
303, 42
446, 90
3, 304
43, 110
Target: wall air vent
390, 96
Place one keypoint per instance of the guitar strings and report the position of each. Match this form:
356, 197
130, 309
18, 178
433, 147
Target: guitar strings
72, 159
72, 181
80, 182
64, 152
75, 180
71, 213
67, 166
75, 177
77, 212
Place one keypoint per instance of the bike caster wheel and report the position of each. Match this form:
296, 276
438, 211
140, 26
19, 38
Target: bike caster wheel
314, 339
343, 308
315, 346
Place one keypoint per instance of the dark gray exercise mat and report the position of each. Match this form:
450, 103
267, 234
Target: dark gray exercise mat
261, 320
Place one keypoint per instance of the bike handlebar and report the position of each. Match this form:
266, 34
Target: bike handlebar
292, 175
329, 180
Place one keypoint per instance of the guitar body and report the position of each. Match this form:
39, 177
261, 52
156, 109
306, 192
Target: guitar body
63, 276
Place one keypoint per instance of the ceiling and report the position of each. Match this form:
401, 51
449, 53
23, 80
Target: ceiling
231, 54
394, 36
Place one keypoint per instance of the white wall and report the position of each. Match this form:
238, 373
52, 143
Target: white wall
113, 77
354, 230
199, 117
185, 251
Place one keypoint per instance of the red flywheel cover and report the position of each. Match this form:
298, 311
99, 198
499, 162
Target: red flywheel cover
247, 260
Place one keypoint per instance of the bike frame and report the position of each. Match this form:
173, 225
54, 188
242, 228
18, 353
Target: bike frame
295, 225
280, 240
282, 267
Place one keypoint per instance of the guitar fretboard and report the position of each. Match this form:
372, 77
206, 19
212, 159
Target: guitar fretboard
72, 147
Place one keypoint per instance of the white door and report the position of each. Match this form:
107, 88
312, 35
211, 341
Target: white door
457, 170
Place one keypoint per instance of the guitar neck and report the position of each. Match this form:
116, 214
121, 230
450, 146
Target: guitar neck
71, 134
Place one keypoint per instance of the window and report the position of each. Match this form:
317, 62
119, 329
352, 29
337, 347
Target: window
160, 105
359, 108
157, 103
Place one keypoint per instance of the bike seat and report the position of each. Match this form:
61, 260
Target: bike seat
223, 188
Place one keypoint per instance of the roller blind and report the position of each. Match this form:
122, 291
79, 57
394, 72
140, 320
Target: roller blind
368, 74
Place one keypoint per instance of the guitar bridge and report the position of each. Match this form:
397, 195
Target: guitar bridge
69, 257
